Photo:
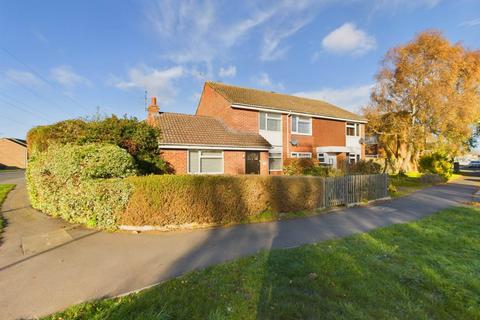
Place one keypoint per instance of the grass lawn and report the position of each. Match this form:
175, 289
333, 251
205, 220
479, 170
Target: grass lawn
429, 269
4, 190
410, 182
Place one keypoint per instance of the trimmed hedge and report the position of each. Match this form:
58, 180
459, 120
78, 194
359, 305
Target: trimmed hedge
81, 183
170, 200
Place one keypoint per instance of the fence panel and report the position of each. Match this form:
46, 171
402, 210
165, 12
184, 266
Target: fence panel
354, 189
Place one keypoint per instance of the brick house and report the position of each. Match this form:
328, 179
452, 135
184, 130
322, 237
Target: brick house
239, 130
13, 153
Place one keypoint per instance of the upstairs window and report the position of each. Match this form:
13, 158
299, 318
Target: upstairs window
353, 129
301, 125
270, 121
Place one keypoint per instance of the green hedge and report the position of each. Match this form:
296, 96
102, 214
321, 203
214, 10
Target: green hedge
138, 138
170, 200
81, 184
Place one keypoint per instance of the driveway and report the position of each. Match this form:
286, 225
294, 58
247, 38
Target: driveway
47, 265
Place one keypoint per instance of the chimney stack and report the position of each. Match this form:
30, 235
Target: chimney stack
153, 110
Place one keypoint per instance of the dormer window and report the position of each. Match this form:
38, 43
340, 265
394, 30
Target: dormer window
301, 125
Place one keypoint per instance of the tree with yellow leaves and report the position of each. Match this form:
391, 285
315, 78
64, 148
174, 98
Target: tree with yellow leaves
426, 98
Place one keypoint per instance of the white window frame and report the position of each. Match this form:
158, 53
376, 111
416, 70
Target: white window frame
273, 116
281, 158
323, 156
352, 157
297, 120
200, 157
356, 129
303, 155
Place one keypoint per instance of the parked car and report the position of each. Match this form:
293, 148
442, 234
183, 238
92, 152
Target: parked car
474, 164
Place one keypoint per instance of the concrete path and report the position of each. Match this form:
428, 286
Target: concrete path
88, 264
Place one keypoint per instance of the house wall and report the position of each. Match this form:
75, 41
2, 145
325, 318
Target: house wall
233, 161
177, 159
215, 105
12, 154
324, 133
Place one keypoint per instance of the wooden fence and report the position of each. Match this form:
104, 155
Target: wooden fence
353, 189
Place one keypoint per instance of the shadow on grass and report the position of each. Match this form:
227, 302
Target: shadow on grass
424, 270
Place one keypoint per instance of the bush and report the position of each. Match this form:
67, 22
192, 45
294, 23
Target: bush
81, 183
364, 167
297, 166
308, 167
138, 138
170, 200
436, 163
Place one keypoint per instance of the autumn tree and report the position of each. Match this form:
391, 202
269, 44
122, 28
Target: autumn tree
426, 98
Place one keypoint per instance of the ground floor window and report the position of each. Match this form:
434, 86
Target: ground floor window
352, 158
301, 154
321, 158
275, 161
205, 161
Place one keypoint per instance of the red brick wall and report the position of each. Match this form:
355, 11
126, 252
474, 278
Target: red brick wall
264, 163
234, 162
177, 159
215, 105
324, 133
12, 154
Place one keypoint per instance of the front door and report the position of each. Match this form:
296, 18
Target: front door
252, 162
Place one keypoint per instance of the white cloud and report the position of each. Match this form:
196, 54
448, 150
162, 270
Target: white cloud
197, 31
471, 23
65, 76
23, 77
263, 80
229, 71
352, 98
348, 39
156, 82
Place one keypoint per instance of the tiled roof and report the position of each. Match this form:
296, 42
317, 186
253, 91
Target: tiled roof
185, 129
283, 102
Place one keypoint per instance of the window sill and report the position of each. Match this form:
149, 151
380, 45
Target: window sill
300, 134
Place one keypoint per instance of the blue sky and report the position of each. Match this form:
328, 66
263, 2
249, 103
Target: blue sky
66, 59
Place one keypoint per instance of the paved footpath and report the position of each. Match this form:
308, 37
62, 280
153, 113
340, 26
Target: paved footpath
47, 265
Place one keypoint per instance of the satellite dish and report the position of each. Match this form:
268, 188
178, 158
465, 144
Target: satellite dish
294, 143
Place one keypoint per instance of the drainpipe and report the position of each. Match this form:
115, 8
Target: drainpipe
288, 134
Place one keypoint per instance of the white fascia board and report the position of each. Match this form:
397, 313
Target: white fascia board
266, 109
210, 147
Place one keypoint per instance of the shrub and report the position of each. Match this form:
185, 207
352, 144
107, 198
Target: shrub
70, 181
364, 167
170, 200
436, 163
308, 167
297, 166
138, 138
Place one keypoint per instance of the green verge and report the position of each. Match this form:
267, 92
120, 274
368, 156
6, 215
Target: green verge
428, 269
4, 190
411, 182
